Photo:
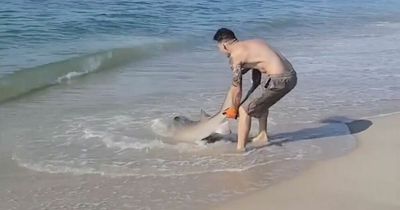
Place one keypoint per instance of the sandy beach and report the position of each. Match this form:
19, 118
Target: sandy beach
367, 178
90, 92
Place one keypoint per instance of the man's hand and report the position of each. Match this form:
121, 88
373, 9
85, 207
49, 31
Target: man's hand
231, 113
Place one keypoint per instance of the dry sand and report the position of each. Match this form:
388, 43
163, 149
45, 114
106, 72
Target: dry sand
367, 178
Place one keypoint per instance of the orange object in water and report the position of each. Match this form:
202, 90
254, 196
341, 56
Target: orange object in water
231, 112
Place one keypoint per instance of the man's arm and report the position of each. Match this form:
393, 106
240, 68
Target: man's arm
236, 85
236, 89
256, 80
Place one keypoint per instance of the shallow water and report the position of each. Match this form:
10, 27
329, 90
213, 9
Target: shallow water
89, 99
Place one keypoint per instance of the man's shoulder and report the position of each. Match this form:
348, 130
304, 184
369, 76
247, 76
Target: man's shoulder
256, 41
250, 45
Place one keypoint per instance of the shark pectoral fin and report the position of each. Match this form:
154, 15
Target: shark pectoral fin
204, 115
213, 138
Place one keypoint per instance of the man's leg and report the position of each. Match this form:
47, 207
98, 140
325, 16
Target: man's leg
262, 136
243, 129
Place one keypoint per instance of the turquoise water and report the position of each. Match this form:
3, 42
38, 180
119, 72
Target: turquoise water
85, 84
43, 32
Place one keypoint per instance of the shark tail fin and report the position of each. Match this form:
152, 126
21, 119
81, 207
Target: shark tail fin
224, 129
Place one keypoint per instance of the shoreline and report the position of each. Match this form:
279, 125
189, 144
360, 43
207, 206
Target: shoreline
366, 178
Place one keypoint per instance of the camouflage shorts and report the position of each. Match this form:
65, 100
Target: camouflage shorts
270, 91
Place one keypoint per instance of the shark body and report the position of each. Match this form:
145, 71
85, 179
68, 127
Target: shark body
208, 128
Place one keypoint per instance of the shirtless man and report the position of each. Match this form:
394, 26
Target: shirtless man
269, 68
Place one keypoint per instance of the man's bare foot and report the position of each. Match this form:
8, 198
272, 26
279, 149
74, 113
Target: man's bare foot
242, 149
260, 139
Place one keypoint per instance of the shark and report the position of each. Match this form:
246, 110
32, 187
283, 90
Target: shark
209, 128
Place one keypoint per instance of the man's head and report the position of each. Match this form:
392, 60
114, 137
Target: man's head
224, 37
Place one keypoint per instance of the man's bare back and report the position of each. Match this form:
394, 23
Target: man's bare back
257, 54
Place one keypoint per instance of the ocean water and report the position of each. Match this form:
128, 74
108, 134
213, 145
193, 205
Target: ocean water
84, 86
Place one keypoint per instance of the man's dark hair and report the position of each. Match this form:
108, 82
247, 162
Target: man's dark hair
224, 34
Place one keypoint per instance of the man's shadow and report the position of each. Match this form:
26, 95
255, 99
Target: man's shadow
333, 126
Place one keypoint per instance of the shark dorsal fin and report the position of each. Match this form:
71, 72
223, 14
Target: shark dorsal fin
204, 115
